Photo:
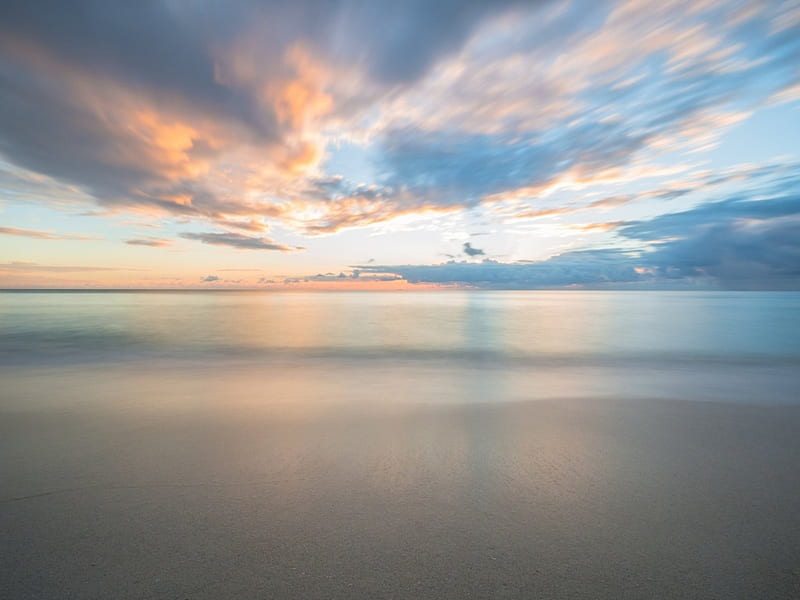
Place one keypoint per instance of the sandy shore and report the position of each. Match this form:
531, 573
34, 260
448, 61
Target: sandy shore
240, 497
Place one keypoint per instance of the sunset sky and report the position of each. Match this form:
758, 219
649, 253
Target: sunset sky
376, 144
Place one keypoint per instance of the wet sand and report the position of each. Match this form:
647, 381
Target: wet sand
149, 487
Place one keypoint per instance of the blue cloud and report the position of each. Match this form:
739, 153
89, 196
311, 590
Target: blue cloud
734, 243
469, 250
637, 85
573, 268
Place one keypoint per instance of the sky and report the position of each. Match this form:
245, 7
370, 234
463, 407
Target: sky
375, 144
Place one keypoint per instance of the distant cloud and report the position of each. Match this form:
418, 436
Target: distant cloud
353, 274
210, 278
736, 241
42, 235
573, 268
470, 251
19, 266
153, 242
237, 240
733, 243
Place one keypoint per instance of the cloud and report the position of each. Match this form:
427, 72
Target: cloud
609, 226
249, 225
150, 241
734, 240
210, 278
224, 113
470, 251
41, 235
19, 266
237, 240
524, 212
351, 275
135, 104
569, 269
485, 125
737, 243
748, 179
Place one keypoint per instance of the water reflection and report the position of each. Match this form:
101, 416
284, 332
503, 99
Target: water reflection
470, 325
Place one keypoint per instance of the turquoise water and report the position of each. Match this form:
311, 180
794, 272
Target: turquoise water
714, 345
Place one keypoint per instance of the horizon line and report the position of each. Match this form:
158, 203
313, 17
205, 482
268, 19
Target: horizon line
421, 289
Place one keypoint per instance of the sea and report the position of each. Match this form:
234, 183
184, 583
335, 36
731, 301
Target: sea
426, 346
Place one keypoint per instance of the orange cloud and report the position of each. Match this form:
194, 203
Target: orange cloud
300, 159
609, 226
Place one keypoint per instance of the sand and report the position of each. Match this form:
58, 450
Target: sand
230, 495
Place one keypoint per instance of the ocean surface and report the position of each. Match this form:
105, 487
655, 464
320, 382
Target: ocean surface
206, 445
489, 346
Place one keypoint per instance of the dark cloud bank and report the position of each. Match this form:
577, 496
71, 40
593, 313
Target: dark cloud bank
732, 244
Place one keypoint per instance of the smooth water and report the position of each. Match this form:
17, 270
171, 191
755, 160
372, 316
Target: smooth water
710, 345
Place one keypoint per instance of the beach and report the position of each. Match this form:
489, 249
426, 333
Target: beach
319, 475
573, 498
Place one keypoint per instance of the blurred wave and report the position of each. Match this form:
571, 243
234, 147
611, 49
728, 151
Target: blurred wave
490, 328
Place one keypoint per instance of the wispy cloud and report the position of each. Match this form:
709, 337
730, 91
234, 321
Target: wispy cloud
150, 241
43, 235
456, 104
237, 240
608, 226
20, 266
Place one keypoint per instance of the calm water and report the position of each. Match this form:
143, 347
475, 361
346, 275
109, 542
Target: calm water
477, 345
